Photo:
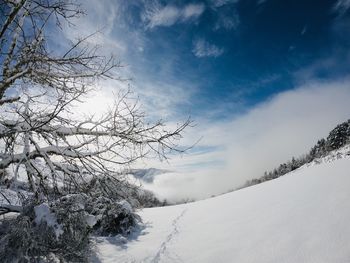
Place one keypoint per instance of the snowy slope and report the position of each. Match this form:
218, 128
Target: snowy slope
301, 217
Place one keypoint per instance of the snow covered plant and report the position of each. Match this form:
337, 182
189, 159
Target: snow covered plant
60, 230
46, 150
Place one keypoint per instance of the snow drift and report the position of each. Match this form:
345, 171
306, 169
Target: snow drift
300, 217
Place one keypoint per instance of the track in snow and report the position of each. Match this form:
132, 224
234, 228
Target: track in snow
163, 247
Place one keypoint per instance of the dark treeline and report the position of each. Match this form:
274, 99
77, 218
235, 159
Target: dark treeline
336, 139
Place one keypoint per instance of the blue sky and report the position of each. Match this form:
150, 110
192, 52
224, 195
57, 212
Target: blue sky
253, 74
233, 52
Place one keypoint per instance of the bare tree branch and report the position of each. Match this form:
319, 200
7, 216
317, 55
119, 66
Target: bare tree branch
38, 134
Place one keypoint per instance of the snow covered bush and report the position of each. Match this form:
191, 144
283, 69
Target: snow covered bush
37, 235
100, 215
339, 136
61, 231
112, 218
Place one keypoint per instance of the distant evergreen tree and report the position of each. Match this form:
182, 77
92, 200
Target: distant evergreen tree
318, 150
337, 138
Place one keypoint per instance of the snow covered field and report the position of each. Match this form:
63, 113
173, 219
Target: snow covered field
300, 217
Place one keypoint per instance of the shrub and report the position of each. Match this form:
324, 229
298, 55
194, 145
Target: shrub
60, 232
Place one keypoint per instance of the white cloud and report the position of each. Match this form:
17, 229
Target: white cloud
303, 31
287, 125
160, 94
341, 6
202, 48
219, 3
227, 14
166, 16
158, 15
260, 2
227, 21
161, 99
99, 21
193, 11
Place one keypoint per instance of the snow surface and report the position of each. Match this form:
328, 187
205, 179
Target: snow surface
43, 214
300, 217
91, 220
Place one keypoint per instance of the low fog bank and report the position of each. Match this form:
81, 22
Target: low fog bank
286, 125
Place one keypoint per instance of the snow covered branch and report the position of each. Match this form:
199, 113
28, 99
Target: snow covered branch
58, 152
40, 136
25, 58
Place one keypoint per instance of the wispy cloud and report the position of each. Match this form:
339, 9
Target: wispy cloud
160, 95
100, 27
260, 2
341, 6
192, 11
202, 48
158, 15
226, 14
303, 31
219, 3
227, 21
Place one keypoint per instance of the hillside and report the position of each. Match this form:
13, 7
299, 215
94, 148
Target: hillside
300, 217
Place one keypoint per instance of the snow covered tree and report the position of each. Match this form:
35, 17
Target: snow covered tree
318, 150
339, 136
66, 168
40, 137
